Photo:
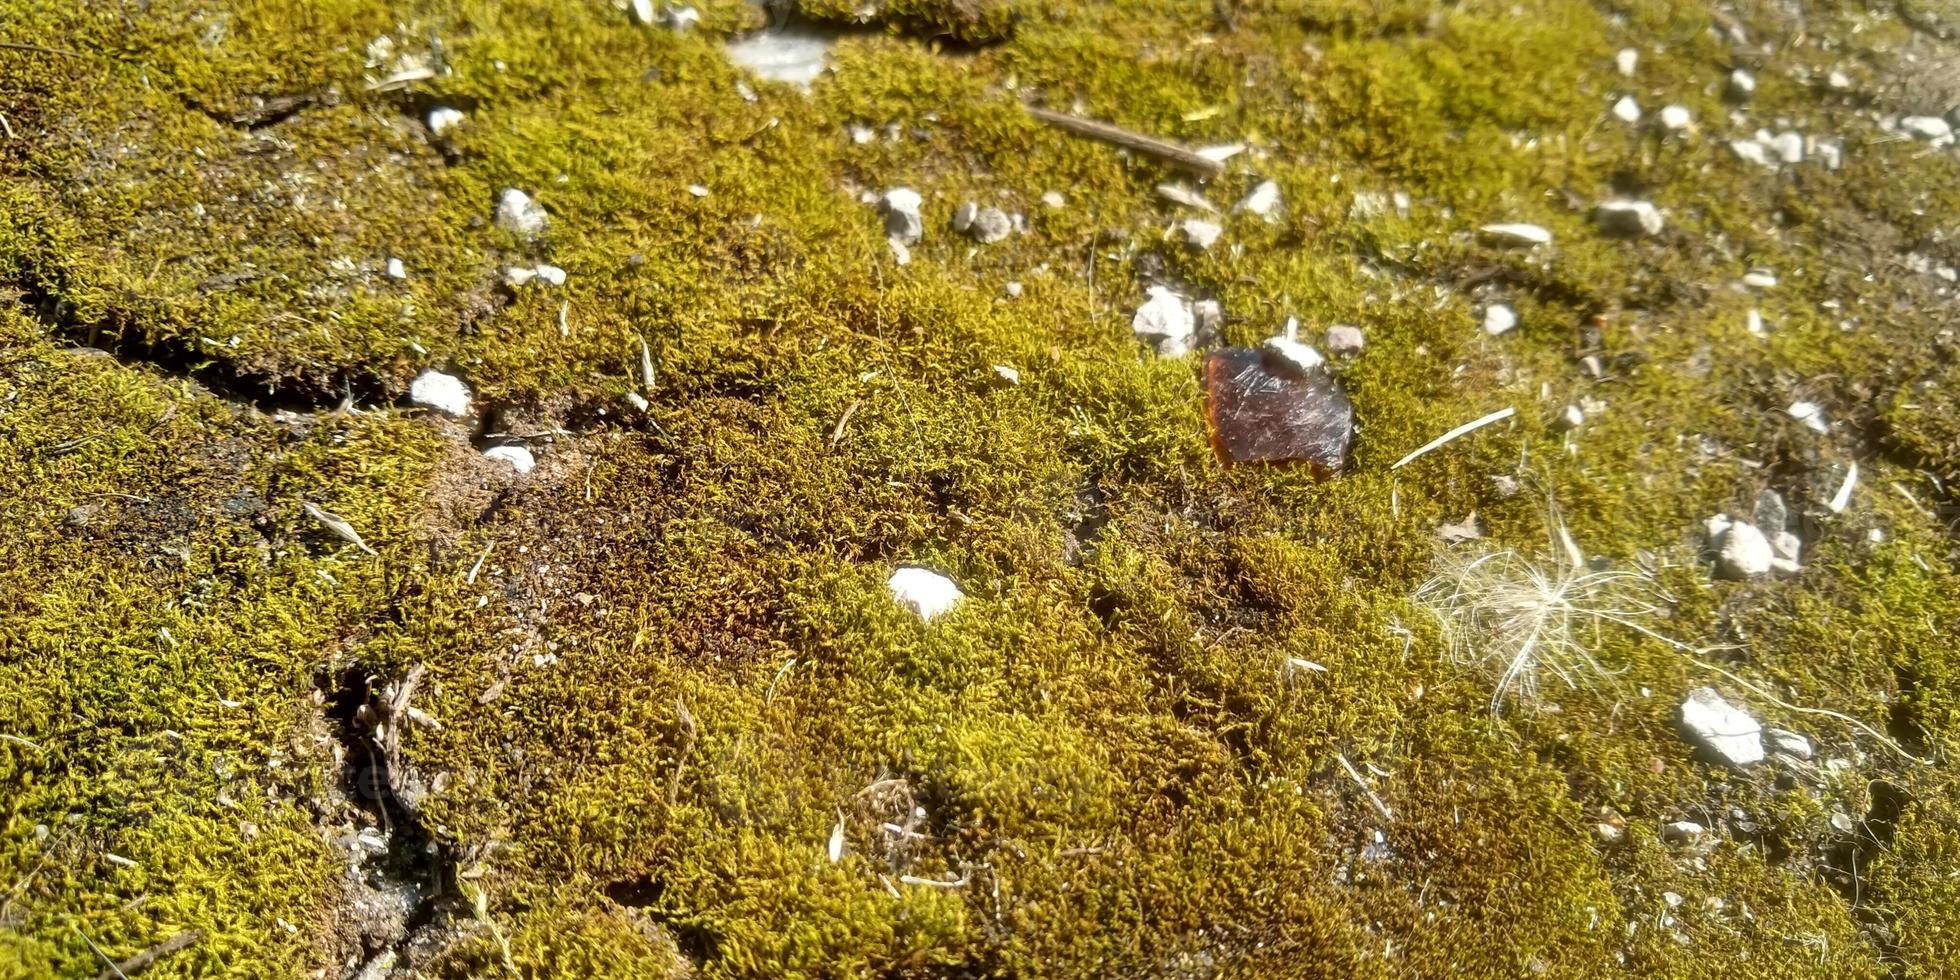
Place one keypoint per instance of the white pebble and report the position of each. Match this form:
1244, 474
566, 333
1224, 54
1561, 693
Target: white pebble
1788, 743
643, 11
1629, 219
1627, 109
519, 458
1682, 832
1724, 730
903, 222
1013, 289
1751, 151
1007, 374
1754, 323
1676, 117
1165, 320
442, 392
1571, 418
519, 215
1838, 81
1345, 338
1301, 356
1512, 233
990, 225
1811, 415
1930, 128
1628, 60
1744, 551
1054, 199
861, 134
924, 591
1788, 147
1200, 232
683, 19
1261, 201
396, 270
1499, 319
1742, 85
1759, 278
442, 118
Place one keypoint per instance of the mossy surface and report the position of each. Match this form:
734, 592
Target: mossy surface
670, 722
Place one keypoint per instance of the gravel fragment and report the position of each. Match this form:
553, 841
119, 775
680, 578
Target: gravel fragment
1676, 117
924, 591
442, 392
1933, 129
518, 214
1165, 320
1516, 234
1628, 219
1751, 151
1261, 201
1742, 85
442, 119
1345, 338
990, 225
903, 222
1200, 232
1499, 319
963, 216
395, 269
1787, 146
1682, 832
1627, 109
1628, 61
1721, 729
1742, 551
519, 458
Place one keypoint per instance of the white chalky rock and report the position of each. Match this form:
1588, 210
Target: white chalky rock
1007, 373
1742, 85
519, 215
990, 225
551, 274
1788, 547
903, 222
1838, 81
442, 119
1629, 219
1165, 320
1742, 550
1571, 418
963, 216
1261, 201
1627, 109
396, 270
1811, 415
1931, 128
1628, 60
1013, 289
794, 54
1751, 151
442, 392
1787, 742
643, 11
519, 458
1831, 155
1676, 117
1788, 147
1682, 832
1754, 323
1345, 338
1512, 233
1054, 199
1722, 729
1499, 319
1759, 278
924, 591
1200, 232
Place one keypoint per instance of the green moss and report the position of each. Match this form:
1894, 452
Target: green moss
664, 667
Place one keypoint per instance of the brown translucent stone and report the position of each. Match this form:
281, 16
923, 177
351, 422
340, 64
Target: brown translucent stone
1265, 409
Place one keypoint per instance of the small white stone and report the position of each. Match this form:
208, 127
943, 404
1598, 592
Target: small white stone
1629, 219
1221, 152
1720, 728
924, 591
1499, 319
1759, 278
1787, 546
1180, 194
551, 274
1571, 417
963, 216
1345, 338
1200, 232
516, 276
442, 392
1682, 832
1165, 319
903, 222
1301, 356
1931, 128
643, 12
1013, 289
1838, 81
1627, 109
698, 190
793, 55
396, 270
1054, 199
1676, 117
1811, 415
861, 134
1754, 323
638, 401
1628, 61
683, 19
1787, 742
519, 215
1261, 201
1007, 374
519, 458
1831, 155
1742, 85
1744, 552
990, 225
1751, 151
1512, 233
1788, 147
442, 119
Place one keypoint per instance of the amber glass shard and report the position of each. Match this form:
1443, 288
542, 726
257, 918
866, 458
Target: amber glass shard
1265, 409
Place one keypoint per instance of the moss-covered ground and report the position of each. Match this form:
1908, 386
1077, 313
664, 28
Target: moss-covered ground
670, 722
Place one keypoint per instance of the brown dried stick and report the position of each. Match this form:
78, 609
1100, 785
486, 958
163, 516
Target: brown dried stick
1171, 153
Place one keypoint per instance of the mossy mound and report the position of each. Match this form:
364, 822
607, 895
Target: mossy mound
649, 709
